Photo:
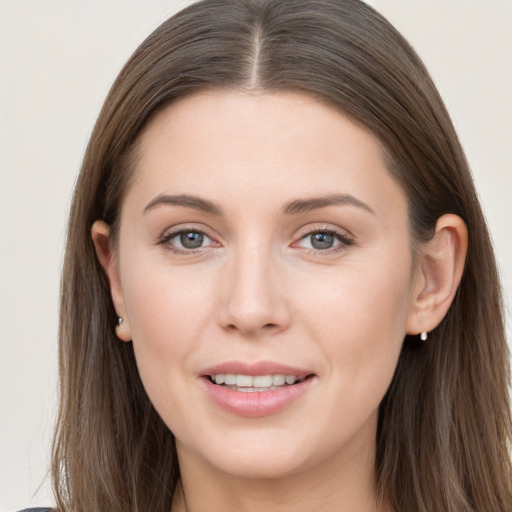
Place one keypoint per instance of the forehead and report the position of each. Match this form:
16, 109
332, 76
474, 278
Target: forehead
264, 145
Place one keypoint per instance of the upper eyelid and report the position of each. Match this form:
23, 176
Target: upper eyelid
342, 238
171, 232
345, 233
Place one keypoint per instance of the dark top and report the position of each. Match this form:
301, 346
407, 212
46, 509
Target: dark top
36, 510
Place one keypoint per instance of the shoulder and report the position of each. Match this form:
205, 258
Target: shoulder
36, 510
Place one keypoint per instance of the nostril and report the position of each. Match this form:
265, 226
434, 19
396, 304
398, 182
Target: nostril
269, 326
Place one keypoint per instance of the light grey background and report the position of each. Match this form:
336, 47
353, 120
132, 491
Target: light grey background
57, 61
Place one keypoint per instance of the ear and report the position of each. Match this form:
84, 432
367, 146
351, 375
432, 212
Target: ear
440, 267
101, 237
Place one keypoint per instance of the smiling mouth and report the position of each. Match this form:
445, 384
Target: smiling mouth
255, 383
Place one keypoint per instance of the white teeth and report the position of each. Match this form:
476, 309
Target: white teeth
262, 381
230, 379
256, 381
244, 381
278, 380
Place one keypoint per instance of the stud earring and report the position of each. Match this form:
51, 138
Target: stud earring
120, 320
423, 336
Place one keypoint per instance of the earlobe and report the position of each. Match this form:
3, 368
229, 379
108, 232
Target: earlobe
441, 265
100, 233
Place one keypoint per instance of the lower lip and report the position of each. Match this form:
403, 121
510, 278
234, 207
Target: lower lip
258, 403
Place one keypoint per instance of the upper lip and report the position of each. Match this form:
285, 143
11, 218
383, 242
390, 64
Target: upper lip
255, 368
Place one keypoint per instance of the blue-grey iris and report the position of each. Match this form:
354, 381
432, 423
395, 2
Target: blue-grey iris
191, 239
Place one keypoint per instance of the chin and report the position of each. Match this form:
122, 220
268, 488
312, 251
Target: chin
257, 467
254, 456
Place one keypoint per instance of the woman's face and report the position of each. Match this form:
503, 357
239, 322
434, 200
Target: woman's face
266, 280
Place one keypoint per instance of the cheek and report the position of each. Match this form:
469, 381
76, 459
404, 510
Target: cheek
355, 302
359, 324
169, 302
168, 310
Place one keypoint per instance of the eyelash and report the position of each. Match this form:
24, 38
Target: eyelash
344, 241
165, 241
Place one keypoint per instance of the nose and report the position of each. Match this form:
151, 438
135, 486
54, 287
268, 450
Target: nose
253, 300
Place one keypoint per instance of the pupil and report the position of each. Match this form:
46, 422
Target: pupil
322, 240
191, 240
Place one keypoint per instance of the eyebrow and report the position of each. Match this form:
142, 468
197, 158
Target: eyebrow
293, 208
188, 201
315, 203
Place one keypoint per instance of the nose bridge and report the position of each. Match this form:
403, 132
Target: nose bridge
253, 297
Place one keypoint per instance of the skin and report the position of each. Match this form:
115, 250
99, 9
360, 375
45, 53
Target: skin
259, 289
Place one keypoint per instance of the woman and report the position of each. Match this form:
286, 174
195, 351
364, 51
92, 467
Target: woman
279, 288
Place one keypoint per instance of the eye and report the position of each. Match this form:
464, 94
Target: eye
186, 240
321, 240
324, 240
190, 239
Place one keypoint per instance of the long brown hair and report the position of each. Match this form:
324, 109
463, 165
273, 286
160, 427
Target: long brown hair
444, 425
